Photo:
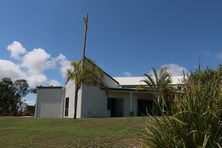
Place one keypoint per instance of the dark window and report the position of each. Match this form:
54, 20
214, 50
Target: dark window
108, 103
116, 107
67, 106
146, 107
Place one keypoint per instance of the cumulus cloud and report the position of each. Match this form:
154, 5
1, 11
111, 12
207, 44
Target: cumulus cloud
64, 64
37, 80
14, 71
16, 50
127, 74
10, 70
54, 83
37, 61
175, 70
31, 65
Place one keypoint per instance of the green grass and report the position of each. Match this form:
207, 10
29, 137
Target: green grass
45, 132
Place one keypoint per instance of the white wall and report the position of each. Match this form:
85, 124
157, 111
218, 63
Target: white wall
49, 102
94, 102
70, 93
89, 94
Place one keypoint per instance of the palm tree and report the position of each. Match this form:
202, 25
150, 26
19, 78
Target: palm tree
158, 83
84, 72
156, 80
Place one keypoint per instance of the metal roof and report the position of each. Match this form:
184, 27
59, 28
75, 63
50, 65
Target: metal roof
139, 80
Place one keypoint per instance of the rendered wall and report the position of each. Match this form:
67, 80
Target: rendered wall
94, 102
70, 93
87, 99
49, 102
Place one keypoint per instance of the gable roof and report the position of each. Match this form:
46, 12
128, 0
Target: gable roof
90, 61
132, 81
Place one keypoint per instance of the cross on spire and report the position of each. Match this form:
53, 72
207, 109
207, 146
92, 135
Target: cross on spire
85, 35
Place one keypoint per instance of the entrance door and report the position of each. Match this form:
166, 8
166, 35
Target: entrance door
116, 107
145, 107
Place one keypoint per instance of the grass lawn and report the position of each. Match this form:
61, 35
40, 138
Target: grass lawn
45, 132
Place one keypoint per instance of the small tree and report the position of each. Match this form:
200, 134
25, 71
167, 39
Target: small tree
84, 72
11, 94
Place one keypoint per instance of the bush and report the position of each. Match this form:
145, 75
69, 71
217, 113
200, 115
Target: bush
23, 114
197, 119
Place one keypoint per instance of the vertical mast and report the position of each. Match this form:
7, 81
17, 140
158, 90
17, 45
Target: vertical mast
85, 35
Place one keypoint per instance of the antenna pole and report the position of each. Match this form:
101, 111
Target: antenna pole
85, 35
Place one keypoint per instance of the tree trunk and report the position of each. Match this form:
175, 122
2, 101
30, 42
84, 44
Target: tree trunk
76, 99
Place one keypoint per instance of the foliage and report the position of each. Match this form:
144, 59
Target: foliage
11, 94
158, 83
84, 72
197, 121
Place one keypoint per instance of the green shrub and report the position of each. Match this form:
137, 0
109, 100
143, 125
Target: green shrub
197, 119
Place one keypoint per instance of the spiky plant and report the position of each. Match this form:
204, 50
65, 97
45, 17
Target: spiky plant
158, 83
198, 119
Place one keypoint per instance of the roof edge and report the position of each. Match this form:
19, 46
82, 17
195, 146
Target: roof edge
49, 87
101, 69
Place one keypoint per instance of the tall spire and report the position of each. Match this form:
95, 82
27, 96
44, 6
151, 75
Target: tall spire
85, 35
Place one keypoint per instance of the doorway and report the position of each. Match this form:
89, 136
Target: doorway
145, 107
116, 107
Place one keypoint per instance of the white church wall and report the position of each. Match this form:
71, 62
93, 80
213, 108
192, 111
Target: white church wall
50, 102
70, 93
94, 102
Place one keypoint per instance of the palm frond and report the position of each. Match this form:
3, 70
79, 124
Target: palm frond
85, 72
155, 73
149, 81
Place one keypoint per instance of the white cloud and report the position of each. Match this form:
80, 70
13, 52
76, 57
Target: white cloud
10, 70
16, 50
36, 80
54, 83
31, 65
127, 74
175, 70
14, 71
64, 64
37, 61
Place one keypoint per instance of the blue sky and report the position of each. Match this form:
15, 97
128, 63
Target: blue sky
126, 37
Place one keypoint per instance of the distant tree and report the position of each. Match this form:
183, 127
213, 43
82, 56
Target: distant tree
159, 85
21, 88
11, 94
84, 72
